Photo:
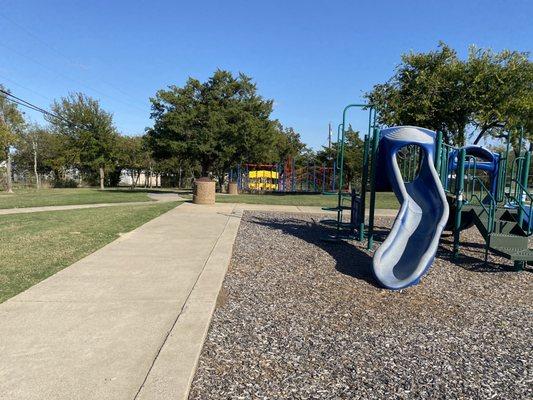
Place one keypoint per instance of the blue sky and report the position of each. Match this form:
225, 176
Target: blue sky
311, 57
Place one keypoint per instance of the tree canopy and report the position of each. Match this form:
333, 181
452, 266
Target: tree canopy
217, 123
353, 155
482, 95
11, 121
90, 134
11, 125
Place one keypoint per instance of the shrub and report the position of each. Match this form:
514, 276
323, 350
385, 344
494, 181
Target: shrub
66, 183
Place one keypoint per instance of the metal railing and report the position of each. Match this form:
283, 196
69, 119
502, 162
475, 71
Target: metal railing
444, 174
476, 190
519, 195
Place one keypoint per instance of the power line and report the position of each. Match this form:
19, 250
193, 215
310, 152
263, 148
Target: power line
103, 94
17, 100
55, 50
34, 36
26, 88
61, 54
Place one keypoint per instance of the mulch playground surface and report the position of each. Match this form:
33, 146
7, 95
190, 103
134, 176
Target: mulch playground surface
300, 318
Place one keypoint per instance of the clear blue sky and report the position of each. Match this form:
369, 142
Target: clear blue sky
311, 57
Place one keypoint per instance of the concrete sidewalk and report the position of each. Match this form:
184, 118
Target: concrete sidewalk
126, 322
156, 197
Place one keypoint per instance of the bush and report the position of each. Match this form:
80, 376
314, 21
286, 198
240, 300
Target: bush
66, 183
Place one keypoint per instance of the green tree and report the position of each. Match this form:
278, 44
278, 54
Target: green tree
288, 144
217, 124
42, 151
11, 125
134, 156
176, 172
56, 155
32, 148
89, 132
326, 155
487, 93
501, 87
353, 156
428, 90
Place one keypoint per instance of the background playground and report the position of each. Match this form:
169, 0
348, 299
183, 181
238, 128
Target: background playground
285, 177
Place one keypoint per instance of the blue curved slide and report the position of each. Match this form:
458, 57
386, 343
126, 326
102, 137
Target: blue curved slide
410, 248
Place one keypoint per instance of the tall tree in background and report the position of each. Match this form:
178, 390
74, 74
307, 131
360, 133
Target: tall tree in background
32, 149
11, 125
353, 156
501, 86
218, 123
89, 131
135, 157
56, 155
485, 94
427, 90
288, 144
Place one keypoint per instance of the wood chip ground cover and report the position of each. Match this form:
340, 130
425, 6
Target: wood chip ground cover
301, 318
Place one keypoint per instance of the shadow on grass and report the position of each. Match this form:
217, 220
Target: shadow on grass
350, 260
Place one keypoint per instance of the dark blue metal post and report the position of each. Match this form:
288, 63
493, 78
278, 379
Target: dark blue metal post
293, 177
334, 175
314, 177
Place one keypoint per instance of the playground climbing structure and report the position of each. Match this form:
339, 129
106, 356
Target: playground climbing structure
439, 187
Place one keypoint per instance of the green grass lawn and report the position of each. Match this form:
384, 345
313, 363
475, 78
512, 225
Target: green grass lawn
61, 197
383, 200
37, 245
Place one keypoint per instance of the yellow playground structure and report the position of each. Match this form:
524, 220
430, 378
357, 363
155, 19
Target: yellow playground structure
263, 180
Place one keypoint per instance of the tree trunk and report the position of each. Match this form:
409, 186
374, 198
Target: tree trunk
221, 182
37, 182
101, 178
206, 169
9, 180
486, 128
479, 136
137, 178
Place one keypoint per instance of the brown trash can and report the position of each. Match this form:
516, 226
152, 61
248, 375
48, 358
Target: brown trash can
232, 188
204, 191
